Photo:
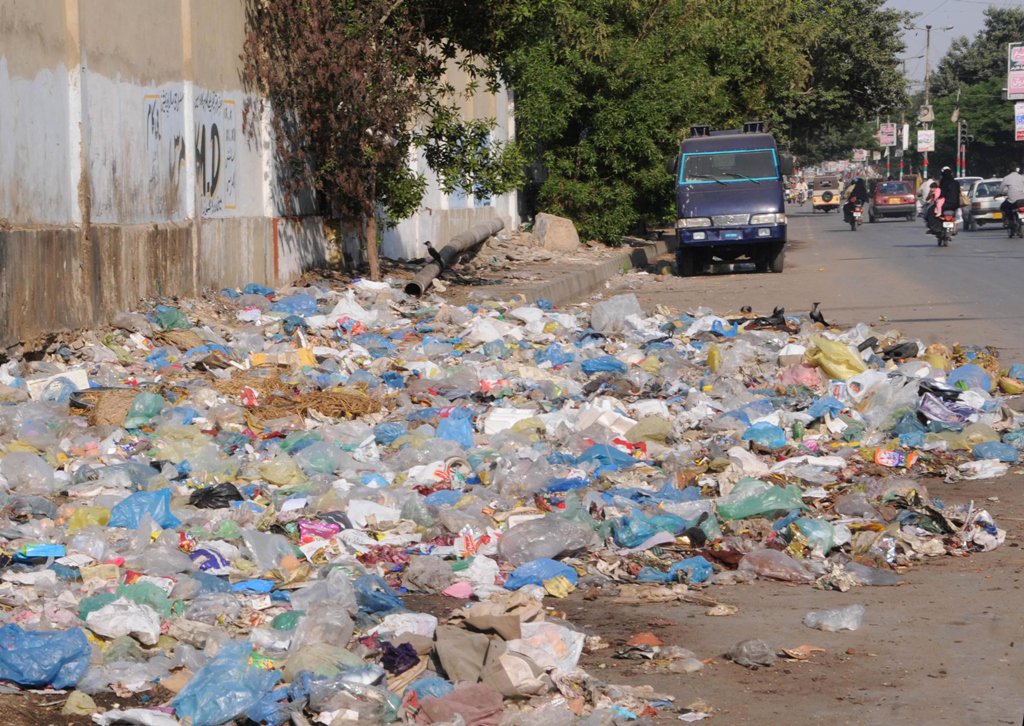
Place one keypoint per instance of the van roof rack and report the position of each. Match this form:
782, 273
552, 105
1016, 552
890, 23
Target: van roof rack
696, 131
753, 127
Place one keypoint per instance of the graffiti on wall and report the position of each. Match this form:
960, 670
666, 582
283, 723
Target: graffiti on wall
215, 142
216, 146
165, 145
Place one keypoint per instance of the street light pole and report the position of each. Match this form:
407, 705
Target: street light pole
927, 72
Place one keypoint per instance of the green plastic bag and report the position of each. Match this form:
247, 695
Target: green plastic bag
145, 407
753, 498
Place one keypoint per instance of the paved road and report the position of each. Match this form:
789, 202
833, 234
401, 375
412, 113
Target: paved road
889, 273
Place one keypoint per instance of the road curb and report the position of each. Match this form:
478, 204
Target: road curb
575, 285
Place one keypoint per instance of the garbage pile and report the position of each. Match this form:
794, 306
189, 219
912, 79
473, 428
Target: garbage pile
226, 501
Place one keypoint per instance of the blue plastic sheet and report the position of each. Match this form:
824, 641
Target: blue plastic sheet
300, 304
256, 289
536, 572
605, 455
377, 345
276, 707
603, 364
692, 570
393, 379
57, 658
443, 498
225, 687
564, 484
718, 329
374, 595
457, 426
632, 530
386, 433
130, 510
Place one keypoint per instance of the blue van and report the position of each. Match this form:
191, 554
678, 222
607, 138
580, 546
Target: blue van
730, 201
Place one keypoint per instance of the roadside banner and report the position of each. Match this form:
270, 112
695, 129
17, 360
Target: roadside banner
926, 140
887, 134
1018, 121
906, 137
1015, 71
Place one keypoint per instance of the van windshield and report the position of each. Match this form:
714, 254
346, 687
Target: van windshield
723, 167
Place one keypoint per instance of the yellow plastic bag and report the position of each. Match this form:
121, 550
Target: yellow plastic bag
88, 516
836, 359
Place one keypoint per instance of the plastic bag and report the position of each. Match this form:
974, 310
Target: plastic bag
430, 687
692, 570
818, 533
169, 318
752, 497
844, 618
386, 433
609, 316
775, 565
218, 496
457, 426
88, 517
124, 617
143, 409
56, 658
536, 572
996, 450
28, 473
603, 364
836, 359
632, 530
545, 537
970, 376
765, 435
554, 355
300, 304
374, 595
129, 511
225, 687
752, 654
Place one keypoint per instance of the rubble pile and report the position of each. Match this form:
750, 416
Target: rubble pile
226, 501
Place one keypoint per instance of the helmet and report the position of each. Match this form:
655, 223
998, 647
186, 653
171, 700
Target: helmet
945, 169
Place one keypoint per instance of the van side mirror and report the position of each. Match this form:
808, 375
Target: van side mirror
786, 164
672, 165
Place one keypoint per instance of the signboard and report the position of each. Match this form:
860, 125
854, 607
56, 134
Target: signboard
887, 134
926, 140
905, 139
1015, 71
876, 155
860, 154
1018, 121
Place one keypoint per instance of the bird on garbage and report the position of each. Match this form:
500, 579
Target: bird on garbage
778, 312
434, 254
816, 315
694, 535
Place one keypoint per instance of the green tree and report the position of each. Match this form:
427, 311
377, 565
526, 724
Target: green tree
354, 85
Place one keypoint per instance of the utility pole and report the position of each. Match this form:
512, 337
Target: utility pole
927, 73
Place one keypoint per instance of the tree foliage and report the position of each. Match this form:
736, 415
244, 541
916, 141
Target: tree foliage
976, 68
354, 86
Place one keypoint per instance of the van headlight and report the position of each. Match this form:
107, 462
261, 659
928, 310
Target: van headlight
693, 222
772, 218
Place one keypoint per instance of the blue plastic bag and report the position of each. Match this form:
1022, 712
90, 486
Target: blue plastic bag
430, 687
57, 658
386, 433
828, 404
256, 289
225, 687
692, 570
377, 345
130, 510
632, 530
536, 572
765, 434
300, 304
276, 707
605, 455
970, 376
457, 427
374, 595
554, 355
996, 450
603, 364
565, 484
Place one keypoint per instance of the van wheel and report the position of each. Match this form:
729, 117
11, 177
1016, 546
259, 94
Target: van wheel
776, 257
686, 263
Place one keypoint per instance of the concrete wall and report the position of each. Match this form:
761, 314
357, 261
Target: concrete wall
124, 171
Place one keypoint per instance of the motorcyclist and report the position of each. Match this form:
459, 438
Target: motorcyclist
801, 191
856, 194
1013, 189
949, 191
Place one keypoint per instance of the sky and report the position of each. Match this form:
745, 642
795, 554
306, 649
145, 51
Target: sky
964, 15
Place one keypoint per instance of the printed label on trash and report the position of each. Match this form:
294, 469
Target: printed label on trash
895, 459
262, 602
131, 577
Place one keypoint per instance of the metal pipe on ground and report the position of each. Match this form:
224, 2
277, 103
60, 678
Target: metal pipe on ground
455, 247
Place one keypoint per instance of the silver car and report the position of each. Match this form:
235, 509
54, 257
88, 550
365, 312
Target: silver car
985, 203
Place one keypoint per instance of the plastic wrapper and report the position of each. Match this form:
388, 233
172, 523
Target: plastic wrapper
775, 565
546, 537
837, 359
752, 497
538, 571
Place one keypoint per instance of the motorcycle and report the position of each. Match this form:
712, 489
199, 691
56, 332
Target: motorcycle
801, 197
1015, 223
947, 229
856, 214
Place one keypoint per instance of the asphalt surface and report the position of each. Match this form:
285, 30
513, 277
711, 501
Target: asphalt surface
890, 274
